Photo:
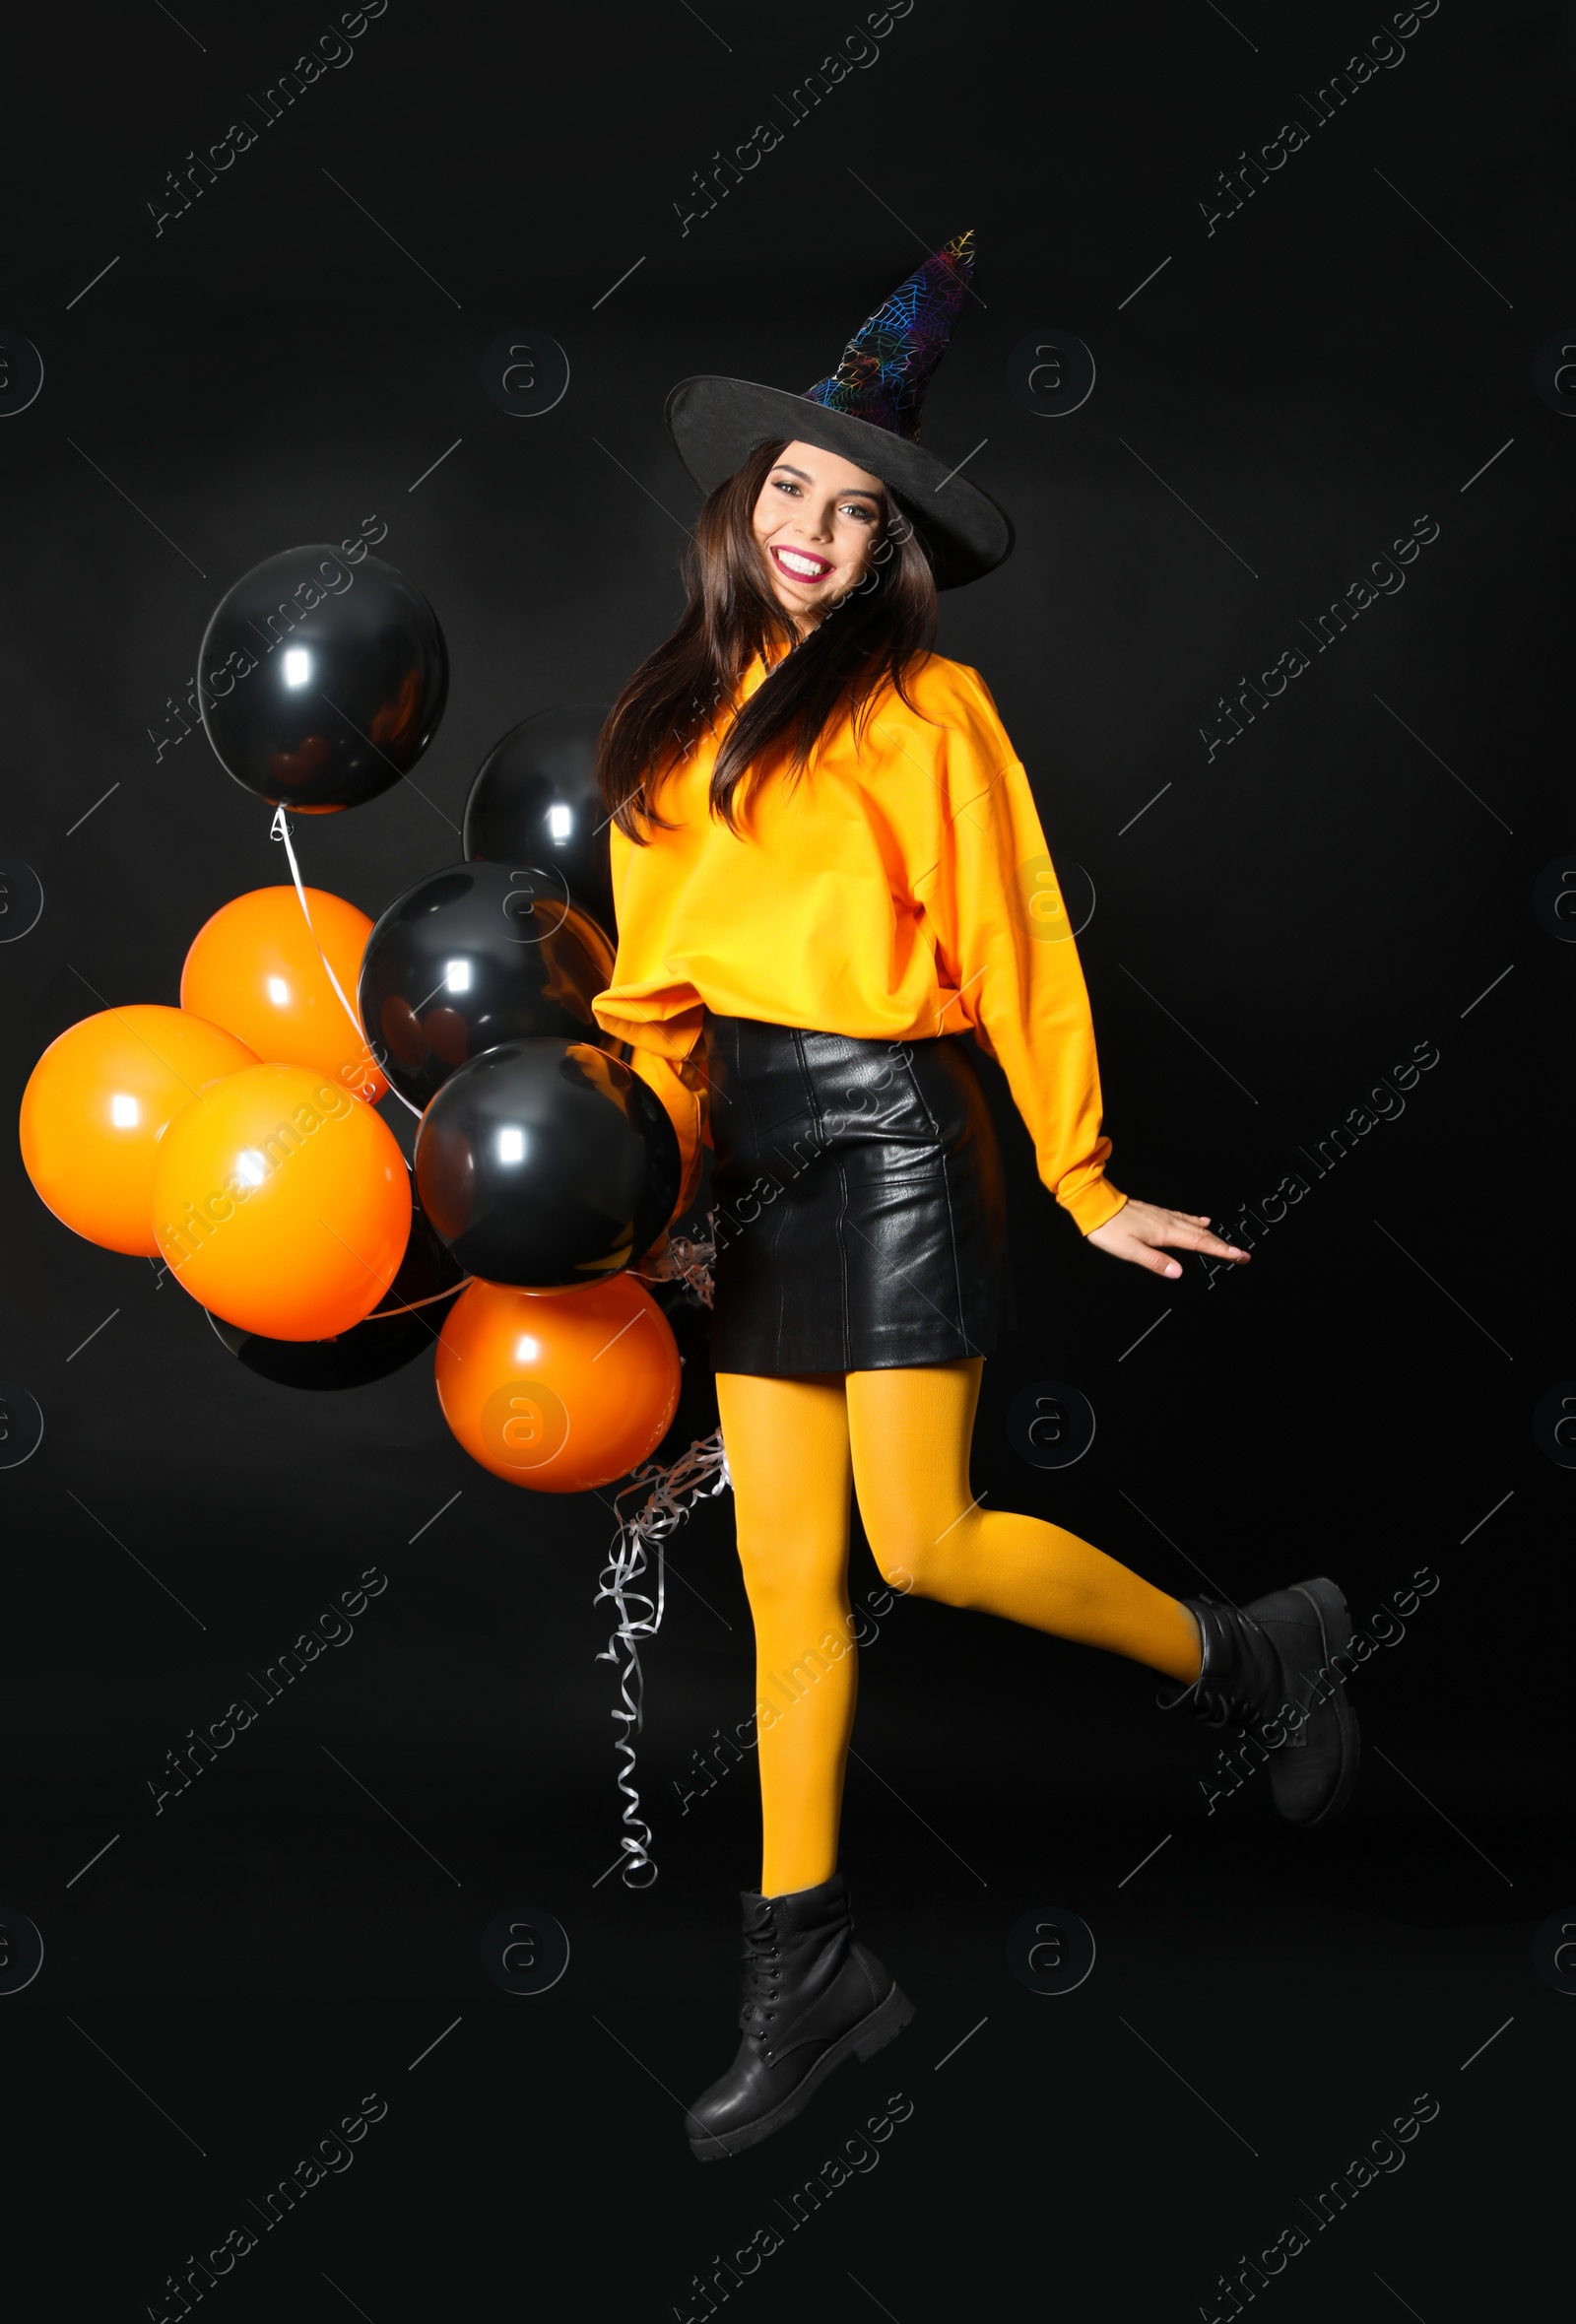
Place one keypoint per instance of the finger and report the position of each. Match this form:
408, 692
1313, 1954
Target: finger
1219, 1249
1140, 1252
1156, 1262
1189, 1238
1215, 1247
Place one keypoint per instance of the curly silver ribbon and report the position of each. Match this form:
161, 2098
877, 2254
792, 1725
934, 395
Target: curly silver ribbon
697, 1474
686, 1259
671, 1493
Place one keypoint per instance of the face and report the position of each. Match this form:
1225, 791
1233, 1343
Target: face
817, 520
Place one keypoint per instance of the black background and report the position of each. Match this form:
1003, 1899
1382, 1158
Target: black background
1275, 932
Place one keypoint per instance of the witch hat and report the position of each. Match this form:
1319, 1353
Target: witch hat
867, 411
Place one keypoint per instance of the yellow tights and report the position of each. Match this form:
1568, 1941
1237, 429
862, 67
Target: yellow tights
900, 1438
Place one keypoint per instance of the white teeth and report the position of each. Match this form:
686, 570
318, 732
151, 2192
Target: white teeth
801, 564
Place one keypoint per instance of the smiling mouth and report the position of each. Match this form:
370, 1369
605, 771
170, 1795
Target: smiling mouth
799, 565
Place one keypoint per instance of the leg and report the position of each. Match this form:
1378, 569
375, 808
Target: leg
787, 1443
910, 1430
812, 1996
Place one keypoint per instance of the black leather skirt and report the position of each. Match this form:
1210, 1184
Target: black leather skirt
861, 1216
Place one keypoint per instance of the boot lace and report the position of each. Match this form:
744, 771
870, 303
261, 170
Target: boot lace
1211, 1698
1217, 1705
762, 1962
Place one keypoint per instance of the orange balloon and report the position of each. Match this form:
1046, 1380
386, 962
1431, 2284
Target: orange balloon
280, 1204
95, 1104
254, 969
558, 1391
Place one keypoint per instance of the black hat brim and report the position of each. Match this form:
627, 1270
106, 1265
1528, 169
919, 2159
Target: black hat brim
716, 423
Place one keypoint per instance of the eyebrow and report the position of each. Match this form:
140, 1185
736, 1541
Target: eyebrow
857, 492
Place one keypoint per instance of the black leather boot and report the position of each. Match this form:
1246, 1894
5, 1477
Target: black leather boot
812, 1998
1278, 1669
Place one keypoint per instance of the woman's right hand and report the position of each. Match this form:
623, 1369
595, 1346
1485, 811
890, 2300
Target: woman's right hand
1141, 1231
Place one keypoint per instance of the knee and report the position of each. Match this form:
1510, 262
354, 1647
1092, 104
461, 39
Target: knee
785, 1576
918, 1562
906, 1562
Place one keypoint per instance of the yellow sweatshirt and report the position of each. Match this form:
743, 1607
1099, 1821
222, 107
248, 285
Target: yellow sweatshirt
895, 892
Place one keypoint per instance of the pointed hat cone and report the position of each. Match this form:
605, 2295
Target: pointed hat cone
887, 364
867, 411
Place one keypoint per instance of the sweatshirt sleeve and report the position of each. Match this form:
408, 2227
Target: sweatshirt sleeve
678, 1081
1005, 942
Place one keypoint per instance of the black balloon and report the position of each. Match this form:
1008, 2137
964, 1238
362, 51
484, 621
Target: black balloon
322, 682
536, 800
426, 1288
695, 1414
481, 954
547, 1163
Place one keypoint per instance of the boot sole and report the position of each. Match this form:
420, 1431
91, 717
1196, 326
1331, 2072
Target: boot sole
1333, 1618
883, 2025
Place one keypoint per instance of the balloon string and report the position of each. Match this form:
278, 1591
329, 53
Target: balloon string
686, 1259
381, 1314
691, 1261
698, 1474
279, 829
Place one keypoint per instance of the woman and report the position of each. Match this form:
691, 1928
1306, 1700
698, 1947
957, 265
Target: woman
828, 869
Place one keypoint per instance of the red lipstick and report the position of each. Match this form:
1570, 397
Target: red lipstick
824, 565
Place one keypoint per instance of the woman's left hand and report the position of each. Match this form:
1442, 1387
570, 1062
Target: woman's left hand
1141, 1230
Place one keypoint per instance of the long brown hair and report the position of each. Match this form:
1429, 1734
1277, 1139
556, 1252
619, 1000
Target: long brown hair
880, 628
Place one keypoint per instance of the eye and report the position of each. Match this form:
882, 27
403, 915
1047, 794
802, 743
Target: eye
853, 509
784, 484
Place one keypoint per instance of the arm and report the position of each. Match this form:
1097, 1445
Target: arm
1015, 965
1021, 986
